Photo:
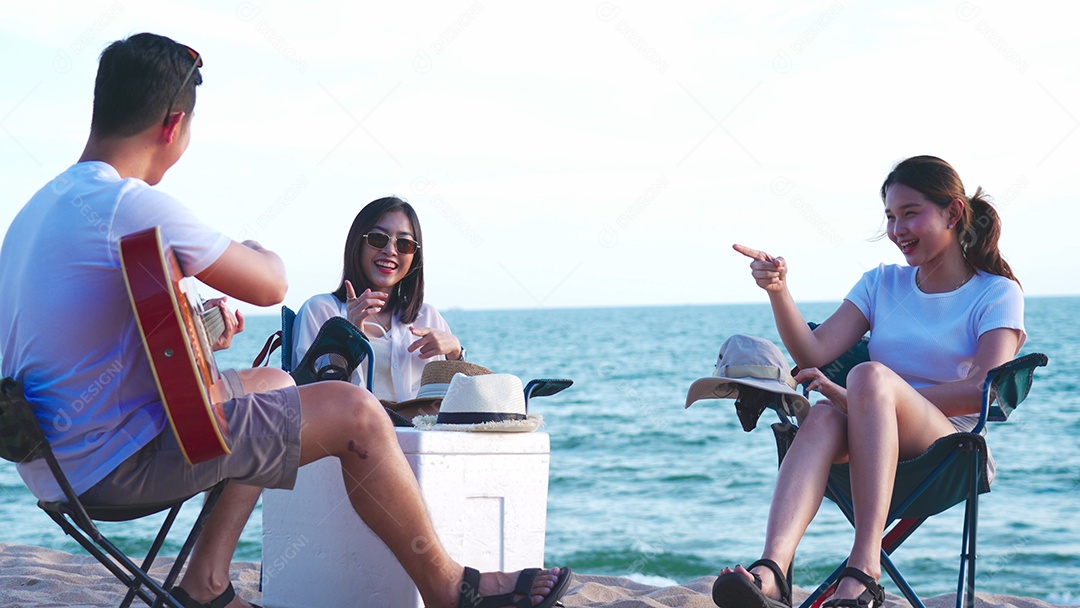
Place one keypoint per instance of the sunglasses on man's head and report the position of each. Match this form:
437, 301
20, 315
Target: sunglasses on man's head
196, 62
379, 240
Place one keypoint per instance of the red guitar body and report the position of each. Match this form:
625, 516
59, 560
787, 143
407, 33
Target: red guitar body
170, 318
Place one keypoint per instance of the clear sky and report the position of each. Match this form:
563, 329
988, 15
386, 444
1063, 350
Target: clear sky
583, 153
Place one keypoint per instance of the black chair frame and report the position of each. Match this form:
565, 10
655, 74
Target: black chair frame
77, 520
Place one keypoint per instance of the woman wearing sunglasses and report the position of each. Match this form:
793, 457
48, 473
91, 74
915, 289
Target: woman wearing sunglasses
382, 293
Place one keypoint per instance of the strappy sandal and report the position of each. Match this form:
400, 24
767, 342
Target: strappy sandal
733, 590
471, 598
218, 602
873, 593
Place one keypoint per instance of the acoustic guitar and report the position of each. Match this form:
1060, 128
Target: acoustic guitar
178, 334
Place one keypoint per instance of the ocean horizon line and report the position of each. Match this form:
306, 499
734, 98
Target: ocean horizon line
457, 309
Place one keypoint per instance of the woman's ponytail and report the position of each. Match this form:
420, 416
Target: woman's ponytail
979, 230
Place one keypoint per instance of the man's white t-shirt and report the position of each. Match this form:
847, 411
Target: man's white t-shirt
67, 329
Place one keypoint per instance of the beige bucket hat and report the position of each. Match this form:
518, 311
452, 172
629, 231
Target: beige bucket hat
435, 380
750, 361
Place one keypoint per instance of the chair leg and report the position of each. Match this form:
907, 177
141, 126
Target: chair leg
891, 541
827, 587
200, 521
185, 550
151, 555
116, 562
899, 580
825, 590
102, 557
970, 596
965, 589
137, 579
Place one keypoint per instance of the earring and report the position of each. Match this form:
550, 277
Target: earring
950, 226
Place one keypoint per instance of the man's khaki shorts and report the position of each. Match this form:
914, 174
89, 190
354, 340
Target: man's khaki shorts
263, 432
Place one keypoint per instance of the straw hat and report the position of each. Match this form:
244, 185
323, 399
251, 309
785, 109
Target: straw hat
435, 380
489, 402
750, 361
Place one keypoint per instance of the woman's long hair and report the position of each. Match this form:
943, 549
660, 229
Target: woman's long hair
978, 229
407, 296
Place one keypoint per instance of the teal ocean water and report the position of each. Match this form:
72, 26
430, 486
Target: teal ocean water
642, 487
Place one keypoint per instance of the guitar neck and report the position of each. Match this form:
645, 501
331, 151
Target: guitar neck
214, 322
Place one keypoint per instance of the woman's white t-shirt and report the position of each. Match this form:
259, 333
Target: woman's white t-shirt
931, 338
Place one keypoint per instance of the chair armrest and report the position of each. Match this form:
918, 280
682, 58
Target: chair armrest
288, 318
1007, 386
545, 387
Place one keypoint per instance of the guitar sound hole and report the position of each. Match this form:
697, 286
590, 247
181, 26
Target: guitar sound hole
331, 366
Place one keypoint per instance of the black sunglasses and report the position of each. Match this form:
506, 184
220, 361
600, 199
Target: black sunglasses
196, 63
379, 240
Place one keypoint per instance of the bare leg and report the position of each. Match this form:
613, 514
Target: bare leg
800, 486
207, 574
342, 420
348, 422
887, 420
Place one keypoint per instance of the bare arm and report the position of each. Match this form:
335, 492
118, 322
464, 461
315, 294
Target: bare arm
248, 272
808, 348
963, 397
836, 335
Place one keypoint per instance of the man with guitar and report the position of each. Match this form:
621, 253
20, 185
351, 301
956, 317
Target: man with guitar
70, 335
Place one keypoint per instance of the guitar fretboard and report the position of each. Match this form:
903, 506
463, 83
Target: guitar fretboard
214, 322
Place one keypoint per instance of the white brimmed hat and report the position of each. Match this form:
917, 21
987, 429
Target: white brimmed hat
750, 361
488, 402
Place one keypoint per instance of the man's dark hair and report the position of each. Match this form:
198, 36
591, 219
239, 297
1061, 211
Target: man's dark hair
137, 78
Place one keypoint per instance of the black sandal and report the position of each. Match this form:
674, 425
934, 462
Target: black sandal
471, 598
733, 590
874, 592
218, 602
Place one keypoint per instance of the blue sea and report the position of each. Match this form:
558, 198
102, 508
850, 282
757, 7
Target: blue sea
642, 487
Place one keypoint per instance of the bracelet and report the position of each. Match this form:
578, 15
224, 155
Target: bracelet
461, 357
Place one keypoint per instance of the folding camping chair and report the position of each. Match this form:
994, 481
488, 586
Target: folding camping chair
952, 470
24, 441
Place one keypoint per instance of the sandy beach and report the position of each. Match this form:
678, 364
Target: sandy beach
34, 577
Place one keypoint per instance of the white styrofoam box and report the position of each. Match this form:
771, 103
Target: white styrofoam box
486, 493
